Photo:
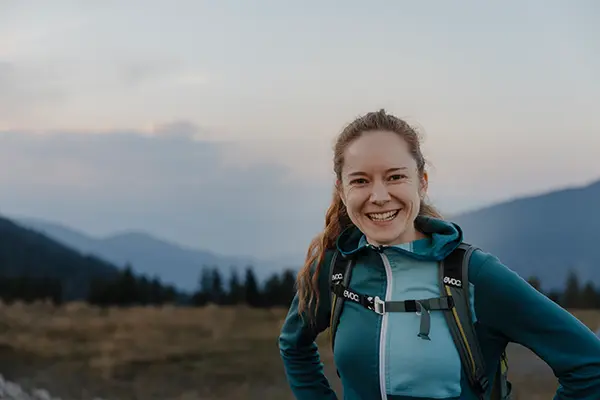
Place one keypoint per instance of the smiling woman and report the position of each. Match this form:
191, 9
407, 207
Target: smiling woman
382, 186
415, 312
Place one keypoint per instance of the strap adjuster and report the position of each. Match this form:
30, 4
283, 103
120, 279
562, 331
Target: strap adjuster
412, 306
482, 383
378, 305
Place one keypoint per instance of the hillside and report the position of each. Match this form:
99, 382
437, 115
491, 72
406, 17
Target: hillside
27, 252
172, 263
543, 235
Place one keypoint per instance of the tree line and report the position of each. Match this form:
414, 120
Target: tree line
576, 295
277, 290
30, 288
130, 289
215, 287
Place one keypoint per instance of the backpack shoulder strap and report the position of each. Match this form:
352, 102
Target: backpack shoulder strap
501, 387
340, 273
454, 281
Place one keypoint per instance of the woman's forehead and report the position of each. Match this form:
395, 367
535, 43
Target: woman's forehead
377, 152
378, 165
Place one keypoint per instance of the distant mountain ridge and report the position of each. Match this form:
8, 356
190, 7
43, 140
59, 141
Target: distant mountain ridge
149, 255
544, 235
28, 253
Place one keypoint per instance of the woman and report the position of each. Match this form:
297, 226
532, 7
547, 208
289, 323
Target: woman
380, 219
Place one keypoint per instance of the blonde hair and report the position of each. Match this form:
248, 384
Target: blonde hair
336, 217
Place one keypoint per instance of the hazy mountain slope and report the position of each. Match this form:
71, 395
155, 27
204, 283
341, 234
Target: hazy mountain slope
27, 252
542, 235
172, 263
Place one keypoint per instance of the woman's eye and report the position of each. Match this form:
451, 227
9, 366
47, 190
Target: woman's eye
359, 181
397, 177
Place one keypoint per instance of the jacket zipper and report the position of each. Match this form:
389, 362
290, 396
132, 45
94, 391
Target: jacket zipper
384, 320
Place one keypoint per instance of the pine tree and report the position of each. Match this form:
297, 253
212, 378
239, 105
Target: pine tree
272, 291
589, 296
127, 287
235, 290
572, 294
535, 282
217, 293
156, 292
288, 287
202, 294
252, 293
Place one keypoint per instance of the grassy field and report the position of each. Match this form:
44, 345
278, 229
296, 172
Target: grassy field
79, 352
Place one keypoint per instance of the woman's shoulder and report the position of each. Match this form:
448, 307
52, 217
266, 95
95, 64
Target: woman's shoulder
493, 278
321, 265
485, 266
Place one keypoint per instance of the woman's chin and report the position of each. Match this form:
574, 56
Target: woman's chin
384, 236
389, 233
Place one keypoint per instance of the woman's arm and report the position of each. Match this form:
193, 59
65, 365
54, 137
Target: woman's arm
507, 303
301, 360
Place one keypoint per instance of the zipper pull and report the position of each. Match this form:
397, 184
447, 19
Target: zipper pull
378, 249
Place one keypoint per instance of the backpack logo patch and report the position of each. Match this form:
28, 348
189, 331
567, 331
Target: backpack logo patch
337, 277
452, 282
351, 296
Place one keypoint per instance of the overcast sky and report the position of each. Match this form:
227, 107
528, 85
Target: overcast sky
211, 123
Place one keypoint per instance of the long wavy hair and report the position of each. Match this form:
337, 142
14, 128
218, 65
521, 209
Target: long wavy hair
336, 217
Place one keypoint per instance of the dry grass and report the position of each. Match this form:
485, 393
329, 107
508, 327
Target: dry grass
174, 353
148, 352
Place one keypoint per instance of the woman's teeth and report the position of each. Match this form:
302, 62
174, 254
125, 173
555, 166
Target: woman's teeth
387, 216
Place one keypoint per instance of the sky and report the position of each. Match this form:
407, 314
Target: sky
211, 123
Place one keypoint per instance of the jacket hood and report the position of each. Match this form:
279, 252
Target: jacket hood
443, 238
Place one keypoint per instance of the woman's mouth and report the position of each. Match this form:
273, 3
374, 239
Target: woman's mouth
383, 217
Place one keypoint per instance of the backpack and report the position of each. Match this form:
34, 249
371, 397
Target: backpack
453, 301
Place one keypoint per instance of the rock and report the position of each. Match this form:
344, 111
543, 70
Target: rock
12, 391
41, 394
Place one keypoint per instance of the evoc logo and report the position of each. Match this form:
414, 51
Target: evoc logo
452, 281
337, 277
351, 296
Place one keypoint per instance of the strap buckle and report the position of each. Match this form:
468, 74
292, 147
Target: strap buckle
378, 305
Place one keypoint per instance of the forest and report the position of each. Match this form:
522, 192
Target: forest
129, 289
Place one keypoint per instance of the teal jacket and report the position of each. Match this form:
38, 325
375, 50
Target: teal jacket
381, 357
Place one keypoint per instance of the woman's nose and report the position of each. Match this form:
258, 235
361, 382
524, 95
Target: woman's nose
379, 194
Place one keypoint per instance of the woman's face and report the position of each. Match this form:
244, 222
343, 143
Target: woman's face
381, 187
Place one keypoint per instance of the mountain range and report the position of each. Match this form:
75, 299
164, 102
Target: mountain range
546, 235
26, 253
148, 255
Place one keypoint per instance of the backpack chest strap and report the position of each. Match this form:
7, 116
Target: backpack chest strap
420, 307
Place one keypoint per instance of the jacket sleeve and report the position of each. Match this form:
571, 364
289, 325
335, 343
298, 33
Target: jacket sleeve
508, 304
301, 360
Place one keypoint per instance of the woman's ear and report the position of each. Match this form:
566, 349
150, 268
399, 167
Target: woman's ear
340, 191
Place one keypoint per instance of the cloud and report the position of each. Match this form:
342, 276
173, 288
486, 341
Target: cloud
183, 128
169, 185
21, 95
